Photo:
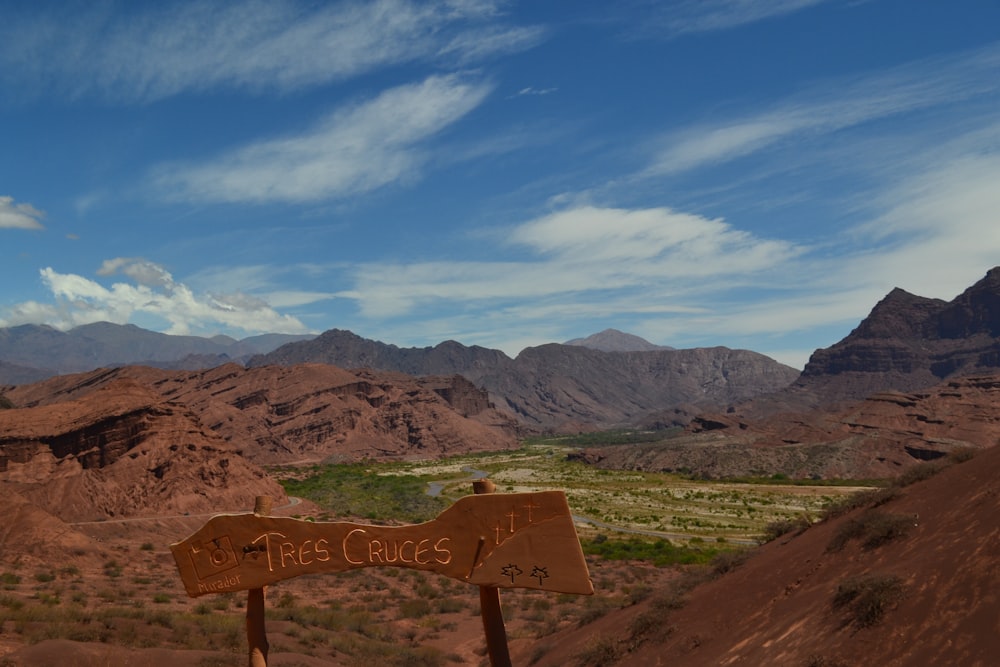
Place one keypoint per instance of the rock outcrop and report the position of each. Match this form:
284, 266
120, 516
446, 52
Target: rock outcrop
122, 450
310, 412
906, 343
876, 438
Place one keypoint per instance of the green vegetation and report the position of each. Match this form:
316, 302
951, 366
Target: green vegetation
602, 438
659, 552
5, 403
365, 490
657, 505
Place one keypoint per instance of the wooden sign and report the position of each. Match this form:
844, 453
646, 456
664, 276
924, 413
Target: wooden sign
516, 540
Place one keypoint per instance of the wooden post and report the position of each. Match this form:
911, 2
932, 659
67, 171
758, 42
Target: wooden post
489, 602
256, 634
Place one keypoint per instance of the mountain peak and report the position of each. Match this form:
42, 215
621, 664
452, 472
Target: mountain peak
613, 340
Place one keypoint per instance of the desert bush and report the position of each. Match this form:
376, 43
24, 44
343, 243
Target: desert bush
867, 597
919, 473
873, 528
962, 454
776, 529
823, 661
867, 498
9, 579
414, 608
599, 652
727, 561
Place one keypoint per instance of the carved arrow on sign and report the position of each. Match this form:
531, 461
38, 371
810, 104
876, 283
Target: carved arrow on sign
515, 540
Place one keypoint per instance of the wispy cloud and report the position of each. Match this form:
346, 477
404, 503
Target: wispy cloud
152, 293
140, 52
834, 106
692, 16
579, 252
353, 151
19, 216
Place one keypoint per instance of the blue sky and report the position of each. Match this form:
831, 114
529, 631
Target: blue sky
755, 174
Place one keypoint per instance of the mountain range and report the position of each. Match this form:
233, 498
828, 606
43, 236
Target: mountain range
911, 391
36, 351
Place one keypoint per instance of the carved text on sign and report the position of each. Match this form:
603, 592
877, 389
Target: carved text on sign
523, 540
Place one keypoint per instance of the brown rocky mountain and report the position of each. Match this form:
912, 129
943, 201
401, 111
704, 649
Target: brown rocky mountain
565, 387
613, 340
906, 343
307, 412
37, 351
909, 583
122, 450
876, 438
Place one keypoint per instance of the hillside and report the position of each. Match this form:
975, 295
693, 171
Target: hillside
876, 438
307, 412
121, 450
922, 567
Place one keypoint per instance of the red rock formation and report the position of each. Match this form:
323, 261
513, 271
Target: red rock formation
879, 437
120, 451
312, 411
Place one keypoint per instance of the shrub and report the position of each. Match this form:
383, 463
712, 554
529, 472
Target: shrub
866, 498
868, 597
727, 561
776, 529
873, 529
599, 652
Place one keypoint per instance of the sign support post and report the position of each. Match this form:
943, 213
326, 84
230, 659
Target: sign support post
489, 603
256, 633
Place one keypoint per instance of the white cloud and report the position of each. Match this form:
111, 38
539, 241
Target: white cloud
154, 51
835, 106
353, 151
579, 251
19, 216
79, 300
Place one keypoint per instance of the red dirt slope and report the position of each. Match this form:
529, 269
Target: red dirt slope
778, 607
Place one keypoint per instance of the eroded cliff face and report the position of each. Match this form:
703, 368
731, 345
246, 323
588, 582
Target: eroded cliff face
907, 343
876, 438
121, 451
310, 412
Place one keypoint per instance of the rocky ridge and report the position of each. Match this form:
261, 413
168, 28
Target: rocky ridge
906, 343
565, 388
876, 438
309, 412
